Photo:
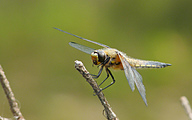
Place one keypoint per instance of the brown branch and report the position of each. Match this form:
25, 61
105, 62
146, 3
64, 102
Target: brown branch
10, 96
186, 106
108, 110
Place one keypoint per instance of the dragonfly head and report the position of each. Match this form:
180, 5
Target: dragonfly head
98, 57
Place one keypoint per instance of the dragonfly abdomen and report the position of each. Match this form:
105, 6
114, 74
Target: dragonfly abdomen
148, 64
152, 66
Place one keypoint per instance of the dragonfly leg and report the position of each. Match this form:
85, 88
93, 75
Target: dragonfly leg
99, 73
104, 80
108, 73
102, 65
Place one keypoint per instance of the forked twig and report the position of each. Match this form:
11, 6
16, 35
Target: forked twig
108, 110
186, 106
10, 96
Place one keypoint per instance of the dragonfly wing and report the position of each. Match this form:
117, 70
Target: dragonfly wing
83, 38
139, 84
82, 48
128, 72
133, 77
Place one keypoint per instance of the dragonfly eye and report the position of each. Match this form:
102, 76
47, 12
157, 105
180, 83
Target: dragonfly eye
98, 57
101, 56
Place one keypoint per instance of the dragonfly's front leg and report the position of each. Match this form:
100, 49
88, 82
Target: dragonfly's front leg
102, 65
99, 73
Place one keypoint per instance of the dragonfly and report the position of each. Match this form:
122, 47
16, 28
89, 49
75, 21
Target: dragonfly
112, 58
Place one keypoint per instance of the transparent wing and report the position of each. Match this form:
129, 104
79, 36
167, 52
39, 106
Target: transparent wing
128, 72
133, 77
82, 48
140, 86
83, 38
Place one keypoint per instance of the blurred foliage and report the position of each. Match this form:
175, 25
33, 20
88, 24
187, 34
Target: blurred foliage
39, 63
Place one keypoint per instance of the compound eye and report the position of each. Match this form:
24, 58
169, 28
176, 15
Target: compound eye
101, 56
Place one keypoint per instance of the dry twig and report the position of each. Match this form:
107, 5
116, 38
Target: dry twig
10, 96
186, 106
108, 110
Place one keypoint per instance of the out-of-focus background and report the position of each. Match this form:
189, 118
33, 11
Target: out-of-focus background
39, 63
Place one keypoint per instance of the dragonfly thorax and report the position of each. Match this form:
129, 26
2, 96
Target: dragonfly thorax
98, 57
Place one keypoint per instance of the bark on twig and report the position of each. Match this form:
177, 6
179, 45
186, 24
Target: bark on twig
186, 106
10, 96
108, 110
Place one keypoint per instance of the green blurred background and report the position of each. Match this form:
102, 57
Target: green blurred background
39, 63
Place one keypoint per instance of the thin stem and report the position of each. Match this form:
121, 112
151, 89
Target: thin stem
10, 96
186, 106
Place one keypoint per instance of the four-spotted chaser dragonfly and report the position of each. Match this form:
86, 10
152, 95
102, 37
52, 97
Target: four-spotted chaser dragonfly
113, 58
